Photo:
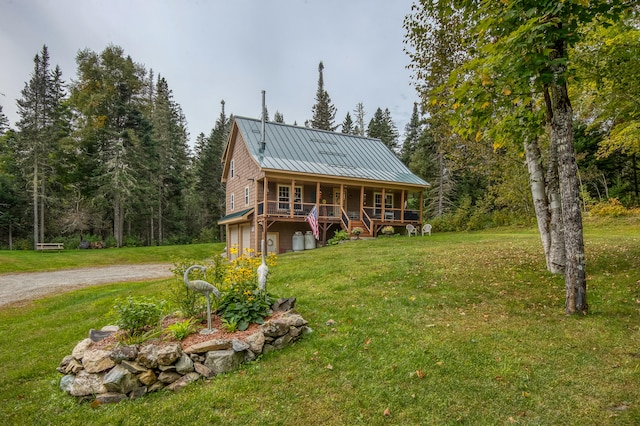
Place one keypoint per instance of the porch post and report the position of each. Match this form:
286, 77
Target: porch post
384, 202
402, 206
361, 202
341, 199
421, 206
292, 197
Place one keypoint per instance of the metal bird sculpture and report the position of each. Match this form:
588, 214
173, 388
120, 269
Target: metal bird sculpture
203, 287
263, 270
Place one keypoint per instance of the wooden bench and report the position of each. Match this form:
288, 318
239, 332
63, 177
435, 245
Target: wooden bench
49, 246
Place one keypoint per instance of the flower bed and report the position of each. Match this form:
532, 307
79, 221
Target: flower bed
103, 370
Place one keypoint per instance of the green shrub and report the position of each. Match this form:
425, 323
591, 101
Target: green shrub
338, 237
182, 329
137, 315
611, 208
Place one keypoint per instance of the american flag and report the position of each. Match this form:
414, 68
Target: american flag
312, 218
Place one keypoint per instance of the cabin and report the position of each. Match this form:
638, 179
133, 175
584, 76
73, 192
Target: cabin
276, 174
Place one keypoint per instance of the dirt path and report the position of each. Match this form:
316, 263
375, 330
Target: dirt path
17, 288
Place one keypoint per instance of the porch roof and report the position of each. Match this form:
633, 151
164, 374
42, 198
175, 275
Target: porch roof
240, 216
306, 150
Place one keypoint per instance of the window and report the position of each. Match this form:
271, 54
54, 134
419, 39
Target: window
232, 169
377, 200
284, 197
246, 195
297, 198
232, 202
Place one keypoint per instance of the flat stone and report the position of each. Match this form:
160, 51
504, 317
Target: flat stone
239, 346
183, 381
120, 380
81, 347
282, 342
148, 378
87, 384
275, 328
148, 356
203, 370
293, 319
134, 367
284, 304
184, 365
210, 345
255, 342
97, 335
66, 382
156, 386
95, 361
221, 362
124, 353
168, 377
169, 354
69, 365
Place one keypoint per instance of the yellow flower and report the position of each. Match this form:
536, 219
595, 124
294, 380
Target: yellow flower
247, 292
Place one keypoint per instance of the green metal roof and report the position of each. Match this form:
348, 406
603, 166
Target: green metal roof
307, 150
233, 217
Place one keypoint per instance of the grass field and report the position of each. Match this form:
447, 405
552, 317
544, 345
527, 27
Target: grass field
460, 328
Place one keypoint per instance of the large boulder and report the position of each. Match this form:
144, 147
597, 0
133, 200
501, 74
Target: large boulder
121, 380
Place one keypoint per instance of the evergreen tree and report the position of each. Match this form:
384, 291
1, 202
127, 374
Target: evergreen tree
278, 117
108, 96
382, 127
170, 177
38, 109
324, 112
413, 132
209, 171
359, 121
347, 125
4, 122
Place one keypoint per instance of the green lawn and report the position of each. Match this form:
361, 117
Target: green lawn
31, 261
455, 328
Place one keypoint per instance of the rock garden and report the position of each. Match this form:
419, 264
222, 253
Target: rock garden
147, 350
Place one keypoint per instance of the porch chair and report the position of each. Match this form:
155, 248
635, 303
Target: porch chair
426, 229
412, 230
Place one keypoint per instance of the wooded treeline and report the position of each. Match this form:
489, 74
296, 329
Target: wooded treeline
105, 155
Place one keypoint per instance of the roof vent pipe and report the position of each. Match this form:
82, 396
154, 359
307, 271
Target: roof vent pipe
263, 141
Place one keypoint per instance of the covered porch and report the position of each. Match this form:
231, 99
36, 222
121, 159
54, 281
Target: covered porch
340, 204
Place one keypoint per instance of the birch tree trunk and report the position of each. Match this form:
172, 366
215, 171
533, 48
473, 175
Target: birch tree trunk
557, 254
538, 186
562, 134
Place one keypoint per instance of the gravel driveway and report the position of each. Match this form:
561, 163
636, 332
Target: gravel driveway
15, 288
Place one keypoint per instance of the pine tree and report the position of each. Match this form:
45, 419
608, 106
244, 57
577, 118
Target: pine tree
347, 125
170, 178
109, 97
278, 117
39, 109
4, 122
382, 127
209, 171
324, 112
359, 123
413, 132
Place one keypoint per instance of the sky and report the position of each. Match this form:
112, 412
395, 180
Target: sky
231, 50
